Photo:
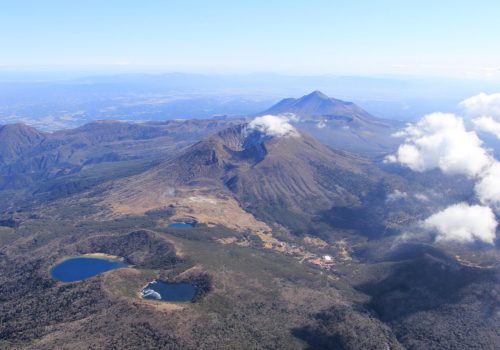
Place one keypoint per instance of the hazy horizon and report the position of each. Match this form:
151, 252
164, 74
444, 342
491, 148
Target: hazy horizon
196, 59
56, 100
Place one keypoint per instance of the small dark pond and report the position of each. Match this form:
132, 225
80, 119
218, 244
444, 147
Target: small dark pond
180, 225
163, 291
82, 267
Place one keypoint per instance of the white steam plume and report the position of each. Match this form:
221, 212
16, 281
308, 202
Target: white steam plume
277, 126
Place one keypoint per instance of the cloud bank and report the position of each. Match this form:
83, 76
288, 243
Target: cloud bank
463, 223
485, 111
277, 126
440, 140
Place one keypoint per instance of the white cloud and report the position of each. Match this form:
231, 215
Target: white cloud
440, 140
292, 117
391, 158
463, 223
488, 187
487, 124
485, 111
482, 104
272, 125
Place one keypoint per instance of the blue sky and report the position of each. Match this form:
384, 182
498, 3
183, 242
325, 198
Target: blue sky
385, 37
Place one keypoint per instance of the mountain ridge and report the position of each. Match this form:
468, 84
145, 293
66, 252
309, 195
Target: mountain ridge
18, 139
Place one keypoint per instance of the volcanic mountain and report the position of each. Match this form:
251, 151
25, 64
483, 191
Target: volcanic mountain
342, 125
317, 104
272, 177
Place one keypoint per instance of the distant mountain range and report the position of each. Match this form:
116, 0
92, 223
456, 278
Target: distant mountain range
56, 162
341, 125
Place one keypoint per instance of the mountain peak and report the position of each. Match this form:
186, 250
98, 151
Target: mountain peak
316, 104
316, 94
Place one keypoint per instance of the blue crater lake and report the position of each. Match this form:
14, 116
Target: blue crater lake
180, 225
163, 291
80, 268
